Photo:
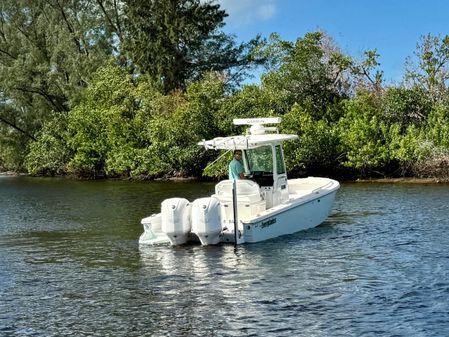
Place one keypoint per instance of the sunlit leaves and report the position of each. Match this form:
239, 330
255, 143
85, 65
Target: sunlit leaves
430, 68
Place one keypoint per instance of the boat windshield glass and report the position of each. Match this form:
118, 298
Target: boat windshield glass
260, 159
279, 160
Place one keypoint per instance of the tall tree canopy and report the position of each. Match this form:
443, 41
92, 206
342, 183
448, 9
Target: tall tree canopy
430, 71
175, 41
119, 87
311, 72
49, 50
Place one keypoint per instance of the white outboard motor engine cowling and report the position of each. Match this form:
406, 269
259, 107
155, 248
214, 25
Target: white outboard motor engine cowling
175, 222
206, 220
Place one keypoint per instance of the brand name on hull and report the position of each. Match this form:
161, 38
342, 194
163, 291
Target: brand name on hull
268, 223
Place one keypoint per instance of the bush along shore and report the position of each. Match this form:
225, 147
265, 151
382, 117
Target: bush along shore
125, 128
92, 104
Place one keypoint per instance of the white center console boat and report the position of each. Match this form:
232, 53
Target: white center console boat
261, 207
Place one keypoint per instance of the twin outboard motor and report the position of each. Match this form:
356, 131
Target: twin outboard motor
175, 222
202, 217
206, 220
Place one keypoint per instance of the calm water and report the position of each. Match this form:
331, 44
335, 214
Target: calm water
70, 265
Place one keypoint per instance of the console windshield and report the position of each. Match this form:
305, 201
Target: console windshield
260, 159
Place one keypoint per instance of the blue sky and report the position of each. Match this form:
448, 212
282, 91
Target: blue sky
393, 27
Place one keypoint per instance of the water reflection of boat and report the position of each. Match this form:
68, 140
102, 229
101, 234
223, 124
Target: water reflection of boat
264, 206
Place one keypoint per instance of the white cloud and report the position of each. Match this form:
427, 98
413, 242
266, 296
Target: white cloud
265, 12
249, 11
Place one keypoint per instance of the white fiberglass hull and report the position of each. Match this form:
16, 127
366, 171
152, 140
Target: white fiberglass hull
309, 204
290, 218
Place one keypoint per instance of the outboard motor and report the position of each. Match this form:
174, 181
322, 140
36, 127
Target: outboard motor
175, 222
206, 222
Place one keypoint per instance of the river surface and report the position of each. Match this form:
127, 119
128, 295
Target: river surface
71, 265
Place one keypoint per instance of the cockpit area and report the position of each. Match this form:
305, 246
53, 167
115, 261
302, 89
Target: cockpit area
260, 166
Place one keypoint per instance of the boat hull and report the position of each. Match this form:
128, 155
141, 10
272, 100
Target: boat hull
291, 218
309, 203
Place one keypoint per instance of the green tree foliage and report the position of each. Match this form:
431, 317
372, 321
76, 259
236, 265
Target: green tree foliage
51, 153
176, 41
430, 68
382, 135
405, 106
426, 149
364, 134
116, 122
409, 149
250, 101
174, 136
126, 127
311, 74
437, 128
367, 74
318, 146
103, 137
48, 52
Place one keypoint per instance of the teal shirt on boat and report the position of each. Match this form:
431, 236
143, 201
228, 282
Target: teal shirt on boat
235, 168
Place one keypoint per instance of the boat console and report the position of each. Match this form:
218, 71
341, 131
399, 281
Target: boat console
262, 178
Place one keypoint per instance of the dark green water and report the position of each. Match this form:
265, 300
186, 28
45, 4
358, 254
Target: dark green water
70, 265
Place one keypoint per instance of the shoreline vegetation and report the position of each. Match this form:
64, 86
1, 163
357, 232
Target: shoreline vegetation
127, 92
408, 180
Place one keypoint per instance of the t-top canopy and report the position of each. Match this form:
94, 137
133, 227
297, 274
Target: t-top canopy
245, 142
258, 135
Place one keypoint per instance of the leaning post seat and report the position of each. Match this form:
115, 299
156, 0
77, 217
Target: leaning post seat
247, 190
249, 200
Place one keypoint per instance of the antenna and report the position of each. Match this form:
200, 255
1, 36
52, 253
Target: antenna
257, 124
260, 121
